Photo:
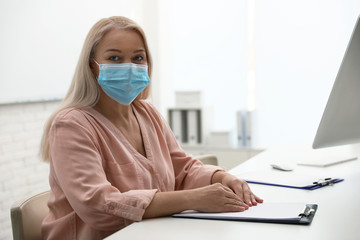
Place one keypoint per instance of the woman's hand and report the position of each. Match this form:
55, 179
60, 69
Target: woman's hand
211, 198
216, 198
227, 193
238, 186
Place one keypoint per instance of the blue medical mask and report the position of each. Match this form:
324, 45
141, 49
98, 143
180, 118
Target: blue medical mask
123, 82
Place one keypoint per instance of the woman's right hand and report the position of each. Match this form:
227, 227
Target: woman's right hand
216, 198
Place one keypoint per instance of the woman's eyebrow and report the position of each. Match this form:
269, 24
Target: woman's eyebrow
140, 50
113, 50
117, 50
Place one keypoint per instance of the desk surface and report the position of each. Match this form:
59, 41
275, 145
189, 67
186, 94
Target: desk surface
338, 215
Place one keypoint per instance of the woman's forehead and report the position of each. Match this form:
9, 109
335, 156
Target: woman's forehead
121, 38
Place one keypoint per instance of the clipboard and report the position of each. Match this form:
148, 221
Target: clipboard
283, 213
289, 180
318, 184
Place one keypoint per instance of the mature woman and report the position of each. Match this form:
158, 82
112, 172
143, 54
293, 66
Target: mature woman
113, 158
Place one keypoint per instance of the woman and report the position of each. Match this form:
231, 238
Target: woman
113, 158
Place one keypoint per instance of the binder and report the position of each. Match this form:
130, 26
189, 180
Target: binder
193, 120
240, 129
248, 132
289, 179
184, 127
176, 124
244, 128
285, 213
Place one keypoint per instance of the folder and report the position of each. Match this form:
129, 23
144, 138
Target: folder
267, 212
288, 179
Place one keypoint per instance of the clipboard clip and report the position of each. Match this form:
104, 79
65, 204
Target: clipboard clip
307, 212
324, 182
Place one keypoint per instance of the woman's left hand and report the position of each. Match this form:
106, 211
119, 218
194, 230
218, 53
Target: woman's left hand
238, 186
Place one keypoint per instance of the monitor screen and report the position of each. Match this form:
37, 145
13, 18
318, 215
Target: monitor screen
340, 123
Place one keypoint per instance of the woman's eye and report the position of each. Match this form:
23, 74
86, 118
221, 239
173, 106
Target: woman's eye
114, 58
138, 58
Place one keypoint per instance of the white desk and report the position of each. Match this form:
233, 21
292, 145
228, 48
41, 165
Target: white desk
338, 215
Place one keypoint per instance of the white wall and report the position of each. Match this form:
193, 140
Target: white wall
298, 49
209, 53
41, 41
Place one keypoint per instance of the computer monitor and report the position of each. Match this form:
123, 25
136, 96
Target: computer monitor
340, 123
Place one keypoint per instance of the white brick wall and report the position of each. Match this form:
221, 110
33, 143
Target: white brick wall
21, 171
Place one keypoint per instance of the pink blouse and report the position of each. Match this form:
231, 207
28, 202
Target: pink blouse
100, 183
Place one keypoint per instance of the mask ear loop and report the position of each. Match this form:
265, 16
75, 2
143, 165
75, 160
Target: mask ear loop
98, 67
96, 62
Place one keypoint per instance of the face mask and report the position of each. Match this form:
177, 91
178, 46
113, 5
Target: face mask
123, 82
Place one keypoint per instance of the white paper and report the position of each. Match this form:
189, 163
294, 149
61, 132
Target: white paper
266, 211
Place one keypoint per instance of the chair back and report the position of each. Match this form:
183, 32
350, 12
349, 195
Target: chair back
27, 216
208, 159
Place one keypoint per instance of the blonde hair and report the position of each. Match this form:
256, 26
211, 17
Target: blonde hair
84, 90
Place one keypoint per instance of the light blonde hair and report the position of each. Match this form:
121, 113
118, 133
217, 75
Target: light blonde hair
84, 90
